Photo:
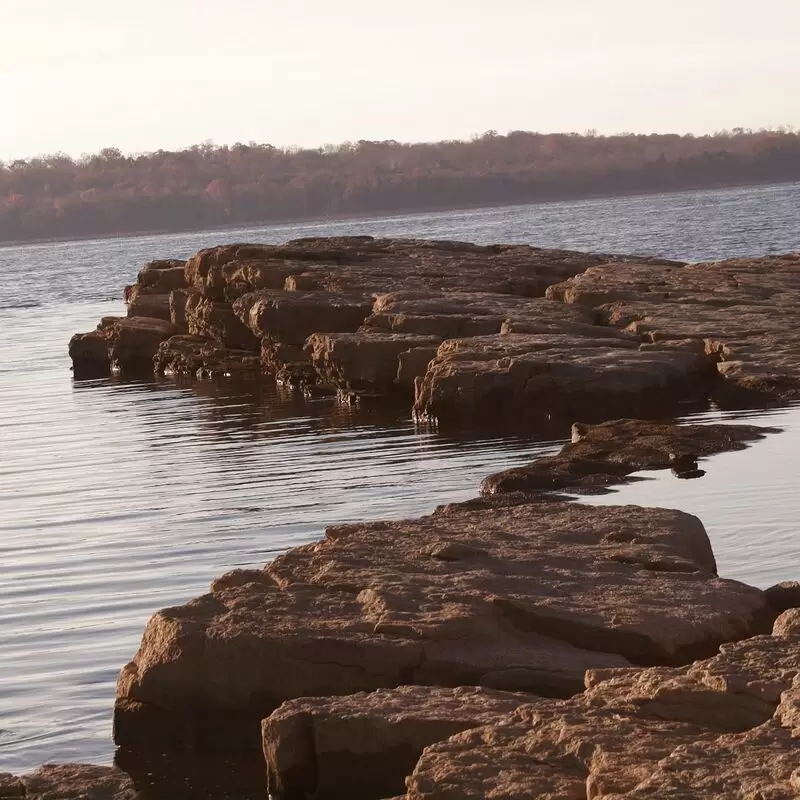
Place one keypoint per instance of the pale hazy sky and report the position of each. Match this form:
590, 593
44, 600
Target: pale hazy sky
79, 75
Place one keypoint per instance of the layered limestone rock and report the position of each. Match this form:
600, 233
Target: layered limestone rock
238, 295
745, 312
603, 455
491, 597
124, 344
718, 729
201, 357
533, 377
375, 363
521, 332
363, 746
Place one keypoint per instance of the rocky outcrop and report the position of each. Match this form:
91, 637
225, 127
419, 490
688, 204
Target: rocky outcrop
363, 746
375, 363
532, 378
200, 357
602, 455
520, 332
788, 623
718, 729
743, 311
124, 344
69, 782
514, 645
463, 597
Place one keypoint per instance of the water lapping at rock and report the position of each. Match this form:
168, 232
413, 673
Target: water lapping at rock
567, 651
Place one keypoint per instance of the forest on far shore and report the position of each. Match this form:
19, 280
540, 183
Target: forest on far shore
56, 196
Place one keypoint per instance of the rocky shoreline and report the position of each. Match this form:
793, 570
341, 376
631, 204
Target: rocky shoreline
464, 332
518, 645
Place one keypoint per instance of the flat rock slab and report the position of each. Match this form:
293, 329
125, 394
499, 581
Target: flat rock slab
362, 746
463, 597
745, 311
604, 455
534, 377
613, 743
738, 689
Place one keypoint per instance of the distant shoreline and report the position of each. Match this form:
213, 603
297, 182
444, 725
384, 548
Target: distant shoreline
417, 211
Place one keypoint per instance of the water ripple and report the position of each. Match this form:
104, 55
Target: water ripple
117, 499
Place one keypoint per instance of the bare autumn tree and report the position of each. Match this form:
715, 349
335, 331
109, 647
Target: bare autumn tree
205, 185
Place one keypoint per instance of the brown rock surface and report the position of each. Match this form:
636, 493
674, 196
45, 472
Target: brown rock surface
156, 306
548, 751
745, 311
357, 362
761, 763
69, 782
292, 317
736, 690
788, 623
217, 321
783, 596
533, 377
285, 293
124, 343
199, 357
163, 275
181, 301
652, 733
288, 363
605, 454
89, 354
362, 746
463, 597
133, 343
788, 712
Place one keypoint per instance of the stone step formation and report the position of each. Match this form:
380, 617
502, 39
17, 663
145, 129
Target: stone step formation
464, 332
517, 645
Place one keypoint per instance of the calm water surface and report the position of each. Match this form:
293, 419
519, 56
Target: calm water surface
117, 499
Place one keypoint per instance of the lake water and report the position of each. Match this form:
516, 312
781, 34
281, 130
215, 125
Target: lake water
117, 499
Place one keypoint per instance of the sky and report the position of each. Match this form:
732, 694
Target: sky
81, 75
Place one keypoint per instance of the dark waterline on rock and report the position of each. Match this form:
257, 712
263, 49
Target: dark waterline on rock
122, 498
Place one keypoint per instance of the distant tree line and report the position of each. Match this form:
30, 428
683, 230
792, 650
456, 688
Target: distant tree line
206, 185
